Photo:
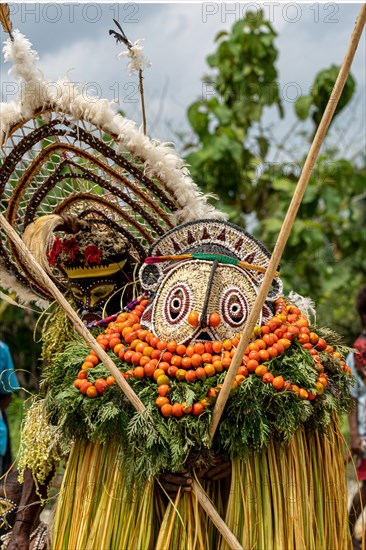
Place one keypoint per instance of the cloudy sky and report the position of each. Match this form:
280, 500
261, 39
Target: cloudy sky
73, 37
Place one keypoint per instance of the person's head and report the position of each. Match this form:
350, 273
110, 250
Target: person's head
361, 305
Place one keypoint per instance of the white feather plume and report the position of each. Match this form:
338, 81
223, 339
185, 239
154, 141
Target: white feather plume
9, 115
9, 282
138, 61
35, 90
305, 305
19, 52
12, 302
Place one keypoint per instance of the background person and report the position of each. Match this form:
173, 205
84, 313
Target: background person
357, 418
8, 385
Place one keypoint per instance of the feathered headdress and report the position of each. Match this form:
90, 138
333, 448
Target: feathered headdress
62, 154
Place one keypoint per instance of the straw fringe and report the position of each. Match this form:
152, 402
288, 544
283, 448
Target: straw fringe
291, 498
95, 508
284, 498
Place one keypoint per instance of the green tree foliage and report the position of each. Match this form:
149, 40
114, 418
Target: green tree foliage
234, 98
314, 104
324, 258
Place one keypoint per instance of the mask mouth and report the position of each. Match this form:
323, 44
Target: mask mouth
88, 317
205, 336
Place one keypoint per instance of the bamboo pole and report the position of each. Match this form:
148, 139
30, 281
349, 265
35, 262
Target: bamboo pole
215, 516
289, 220
109, 364
76, 321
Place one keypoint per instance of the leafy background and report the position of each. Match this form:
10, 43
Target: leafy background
232, 153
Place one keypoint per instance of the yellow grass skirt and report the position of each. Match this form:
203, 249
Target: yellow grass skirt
95, 510
283, 498
294, 498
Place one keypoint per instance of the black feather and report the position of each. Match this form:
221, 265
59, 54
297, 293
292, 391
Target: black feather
120, 37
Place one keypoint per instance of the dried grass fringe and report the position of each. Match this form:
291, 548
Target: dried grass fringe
292, 498
284, 498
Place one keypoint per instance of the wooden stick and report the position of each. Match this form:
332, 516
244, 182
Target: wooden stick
76, 321
289, 220
108, 363
215, 517
141, 88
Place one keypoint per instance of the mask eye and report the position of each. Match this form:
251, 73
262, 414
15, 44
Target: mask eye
102, 291
77, 293
177, 304
234, 307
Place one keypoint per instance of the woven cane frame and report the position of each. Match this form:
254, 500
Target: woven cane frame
133, 169
64, 166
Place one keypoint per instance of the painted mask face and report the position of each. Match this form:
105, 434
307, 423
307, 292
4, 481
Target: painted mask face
225, 290
231, 294
91, 294
205, 267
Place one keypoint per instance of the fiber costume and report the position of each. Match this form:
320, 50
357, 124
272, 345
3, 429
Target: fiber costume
279, 426
173, 344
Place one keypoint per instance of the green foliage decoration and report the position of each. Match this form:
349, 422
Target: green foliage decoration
150, 444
